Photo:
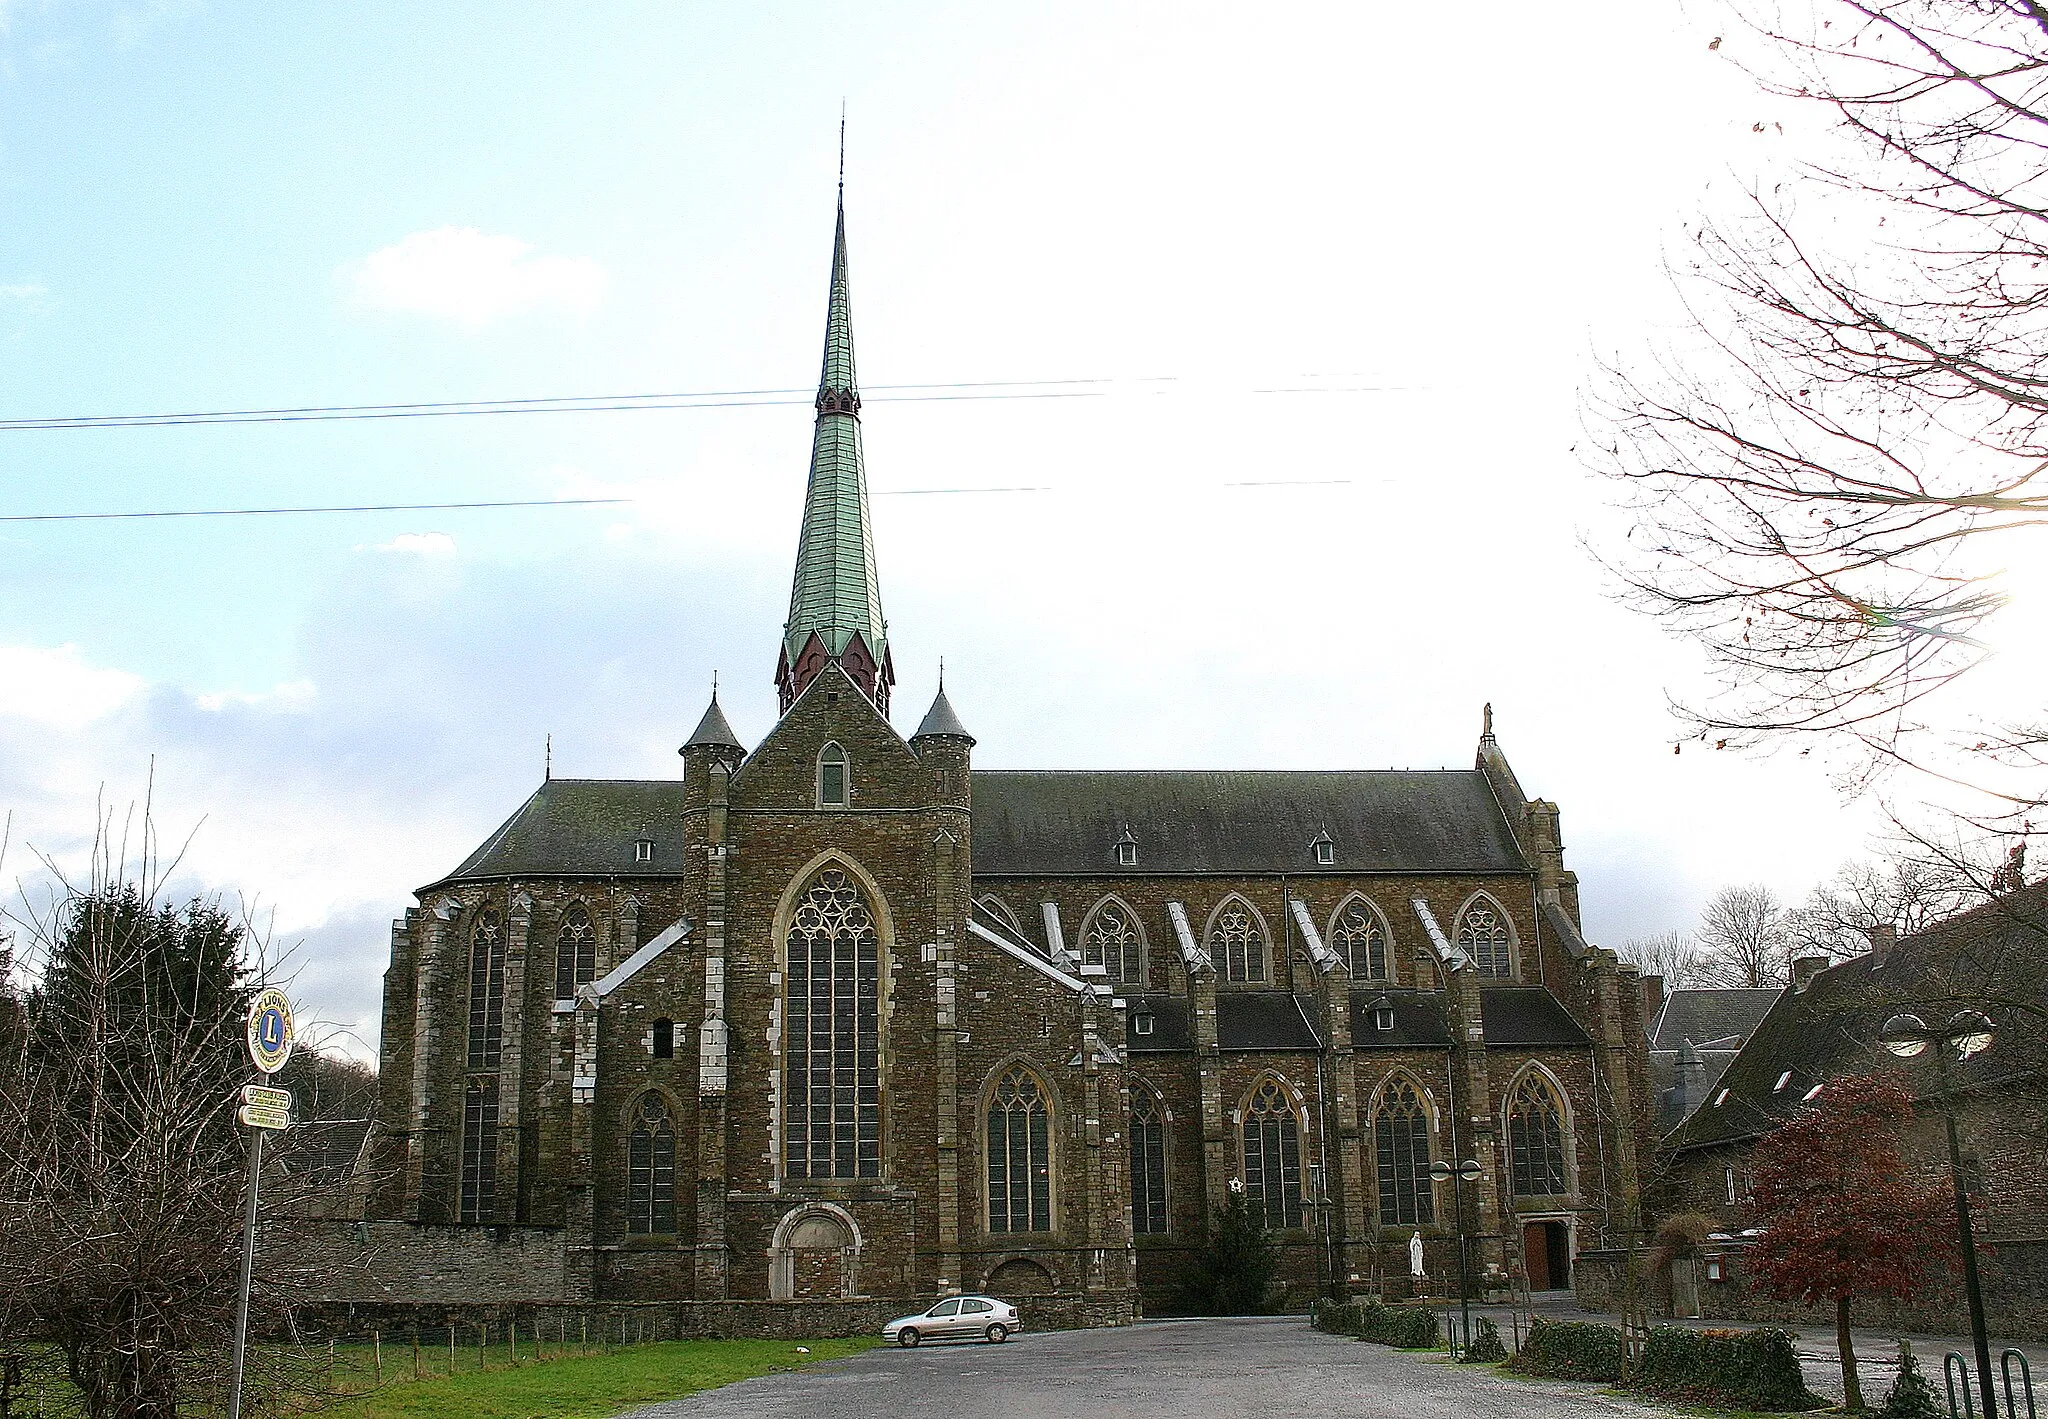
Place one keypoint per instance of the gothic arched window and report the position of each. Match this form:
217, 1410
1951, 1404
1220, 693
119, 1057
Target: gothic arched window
479, 1151
1361, 939
1401, 1132
832, 777
1148, 1164
575, 953
1236, 940
486, 990
1272, 1156
1536, 1139
651, 1171
832, 1073
1485, 936
1112, 940
1019, 1155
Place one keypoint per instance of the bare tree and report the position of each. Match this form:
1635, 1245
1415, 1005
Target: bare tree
1671, 954
1900, 894
1828, 469
1744, 940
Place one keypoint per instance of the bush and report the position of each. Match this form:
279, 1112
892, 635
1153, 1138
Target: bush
1486, 1347
1727, 1369
1405, 1327
1911, 1396
1336, 1317
1570, 1350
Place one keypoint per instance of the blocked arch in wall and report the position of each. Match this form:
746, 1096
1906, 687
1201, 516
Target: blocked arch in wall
994, 904
1020, 1276
815, 1251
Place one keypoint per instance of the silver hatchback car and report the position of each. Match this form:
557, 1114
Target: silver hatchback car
958, 1318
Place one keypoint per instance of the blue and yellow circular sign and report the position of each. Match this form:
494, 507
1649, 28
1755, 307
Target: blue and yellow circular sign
270, 1029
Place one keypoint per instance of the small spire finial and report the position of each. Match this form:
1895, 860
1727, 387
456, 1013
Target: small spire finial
714, 684
842, 147
547, 764
942, 674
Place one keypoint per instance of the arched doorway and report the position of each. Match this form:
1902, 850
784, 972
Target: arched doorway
815, 1255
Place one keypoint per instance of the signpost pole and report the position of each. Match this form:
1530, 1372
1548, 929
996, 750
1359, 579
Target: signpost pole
248, 1267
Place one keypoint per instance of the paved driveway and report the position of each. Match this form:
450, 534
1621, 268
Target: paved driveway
1200, 1369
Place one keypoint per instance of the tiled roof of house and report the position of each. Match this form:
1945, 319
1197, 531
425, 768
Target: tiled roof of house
584, 828
1528, 1015
1996, 951
1709, 1014
1380, 820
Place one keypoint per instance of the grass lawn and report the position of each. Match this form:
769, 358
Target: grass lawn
587, 1387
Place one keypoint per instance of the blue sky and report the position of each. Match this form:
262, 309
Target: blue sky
1430, 220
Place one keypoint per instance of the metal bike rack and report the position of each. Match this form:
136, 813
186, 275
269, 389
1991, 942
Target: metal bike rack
2026, 1382
1952, 1365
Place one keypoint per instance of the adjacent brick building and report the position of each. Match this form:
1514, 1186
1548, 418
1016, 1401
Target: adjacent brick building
840, 1015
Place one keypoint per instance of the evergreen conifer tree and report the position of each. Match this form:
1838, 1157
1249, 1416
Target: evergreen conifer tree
1236, 1265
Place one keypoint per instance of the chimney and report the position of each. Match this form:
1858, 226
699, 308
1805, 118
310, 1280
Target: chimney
1805, 969
1688, 1079
1653, 998
1883, 937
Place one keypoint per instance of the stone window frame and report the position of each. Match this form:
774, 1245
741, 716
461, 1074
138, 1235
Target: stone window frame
1425, 1191
486, 992
995, 904
1486, 899
778, 1083
577, 973
1219, 951
844, 763
1293, 1208
1162, 1122
631, 1131
1333, 936
1560, 1097
1049, 1097
477, 1164
1115, 901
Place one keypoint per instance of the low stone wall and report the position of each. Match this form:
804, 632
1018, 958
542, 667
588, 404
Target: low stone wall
424, 1263
2013, 1273
636, 1321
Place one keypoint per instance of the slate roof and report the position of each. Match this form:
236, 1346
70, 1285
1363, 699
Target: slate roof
713, 731
1171, 1029
1528, 1015
1263, 1020
940, 720
1066, 822
584, 828
1710, 1014
1418, 1020
1830, 1028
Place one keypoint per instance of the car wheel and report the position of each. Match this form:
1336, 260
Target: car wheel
997, 1334
907, 1338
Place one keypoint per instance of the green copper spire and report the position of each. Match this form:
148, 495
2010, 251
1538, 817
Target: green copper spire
835, 603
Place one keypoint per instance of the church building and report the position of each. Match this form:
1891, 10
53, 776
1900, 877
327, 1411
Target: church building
841, 1015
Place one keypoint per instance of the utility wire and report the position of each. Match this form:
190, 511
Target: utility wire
289, 511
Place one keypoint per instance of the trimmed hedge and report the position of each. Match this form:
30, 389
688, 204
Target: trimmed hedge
1570, 1350
1486, 1347
1405, 1327
1724, 1369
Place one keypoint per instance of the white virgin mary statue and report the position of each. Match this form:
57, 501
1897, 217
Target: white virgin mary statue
1415, 1256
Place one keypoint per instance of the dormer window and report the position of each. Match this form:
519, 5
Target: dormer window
643, 849
1325, 849
832, 777
1141, 1023
1127, 850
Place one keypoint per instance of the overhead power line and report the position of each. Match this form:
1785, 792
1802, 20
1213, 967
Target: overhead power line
627, 403
289, 511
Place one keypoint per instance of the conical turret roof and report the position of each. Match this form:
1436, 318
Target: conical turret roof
940, 720
713, 731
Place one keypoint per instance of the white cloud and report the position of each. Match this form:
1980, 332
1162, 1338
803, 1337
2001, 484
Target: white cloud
293, 696
23, 291
471, 277
420, 544
56, 687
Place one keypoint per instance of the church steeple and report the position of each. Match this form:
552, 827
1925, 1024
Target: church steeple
835, 603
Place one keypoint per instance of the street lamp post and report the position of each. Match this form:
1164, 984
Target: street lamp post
1969, 1033
1459, 1175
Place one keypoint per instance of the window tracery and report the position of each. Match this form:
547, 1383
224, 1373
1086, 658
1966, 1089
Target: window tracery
575, 953
1401, 1135
1485, 936
1019, 1155
651, 1171
486, 990
1272, 1156
479, 1181
1148, 1164
1361, 939
1236, 940
1113, 941
1536, 1139
832, 1072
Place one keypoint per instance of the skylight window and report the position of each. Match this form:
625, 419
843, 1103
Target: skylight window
1720, 1098
1783, 1080
1810, 1095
